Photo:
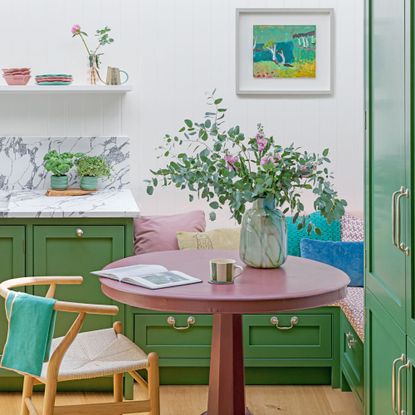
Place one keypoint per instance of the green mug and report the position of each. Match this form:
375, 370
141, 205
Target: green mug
224, 271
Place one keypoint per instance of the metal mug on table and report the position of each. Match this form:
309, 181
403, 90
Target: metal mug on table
114, 76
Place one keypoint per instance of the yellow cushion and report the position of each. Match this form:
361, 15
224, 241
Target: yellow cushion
215, 239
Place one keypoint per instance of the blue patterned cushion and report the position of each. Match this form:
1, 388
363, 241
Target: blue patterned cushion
329, 232
347, 256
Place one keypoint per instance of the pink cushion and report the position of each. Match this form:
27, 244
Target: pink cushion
352, 228
158, 233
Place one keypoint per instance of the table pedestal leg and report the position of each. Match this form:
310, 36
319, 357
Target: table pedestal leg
226, 378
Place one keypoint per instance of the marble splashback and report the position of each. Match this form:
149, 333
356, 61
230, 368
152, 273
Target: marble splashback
21, 160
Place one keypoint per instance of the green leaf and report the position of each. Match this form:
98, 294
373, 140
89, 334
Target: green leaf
218, 101
212, 216
189, 123
325, 152
150, 190
214, 205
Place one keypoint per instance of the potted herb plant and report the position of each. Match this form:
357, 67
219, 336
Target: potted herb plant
90, 168
59, 164
226, 167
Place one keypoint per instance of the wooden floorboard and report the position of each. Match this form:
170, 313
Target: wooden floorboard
191, 400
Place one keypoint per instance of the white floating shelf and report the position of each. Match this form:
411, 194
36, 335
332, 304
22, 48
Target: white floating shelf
65, 89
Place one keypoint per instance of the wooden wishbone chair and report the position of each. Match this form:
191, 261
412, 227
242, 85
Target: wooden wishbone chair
132, 358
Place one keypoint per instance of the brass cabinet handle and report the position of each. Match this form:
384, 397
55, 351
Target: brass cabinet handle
275, 322
394, 194
171, 321
400, 245
401, 358
350, 340
407, 365
79, 233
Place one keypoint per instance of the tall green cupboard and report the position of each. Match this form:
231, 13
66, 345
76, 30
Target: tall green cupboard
390, 310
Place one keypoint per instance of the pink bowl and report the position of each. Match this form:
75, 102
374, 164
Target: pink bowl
16, 79
15, 70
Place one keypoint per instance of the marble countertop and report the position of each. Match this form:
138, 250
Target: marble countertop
35, 204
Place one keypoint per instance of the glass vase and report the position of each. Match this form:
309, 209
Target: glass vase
93, 69
263, 235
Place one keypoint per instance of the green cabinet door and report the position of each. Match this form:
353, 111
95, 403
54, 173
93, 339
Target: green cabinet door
77, 250
386, 153
12, 264
410, 378
384, 342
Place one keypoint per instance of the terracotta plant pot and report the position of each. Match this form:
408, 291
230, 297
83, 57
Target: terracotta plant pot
59, 182
89, 183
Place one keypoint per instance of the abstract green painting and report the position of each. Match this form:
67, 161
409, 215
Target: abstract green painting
284, 51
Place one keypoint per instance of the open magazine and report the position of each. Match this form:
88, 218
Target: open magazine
148, 276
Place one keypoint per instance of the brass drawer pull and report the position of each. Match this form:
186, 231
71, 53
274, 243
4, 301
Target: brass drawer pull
350, 340
407, 365
394, 363
275, 322
79, 233
399, 244
394, 194
171, 321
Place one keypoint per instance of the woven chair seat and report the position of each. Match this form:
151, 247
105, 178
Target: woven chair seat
98, 353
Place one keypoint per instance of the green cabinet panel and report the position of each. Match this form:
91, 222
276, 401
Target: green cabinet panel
77, 250
310, 338
410, 378
153, 333
386, 153
385, 342
352, 357
12, 264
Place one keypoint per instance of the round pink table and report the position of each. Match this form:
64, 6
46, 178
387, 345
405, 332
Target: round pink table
299, 284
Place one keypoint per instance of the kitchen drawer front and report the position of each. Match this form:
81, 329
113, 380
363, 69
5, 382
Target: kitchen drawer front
352, 357
154, 333
309, 337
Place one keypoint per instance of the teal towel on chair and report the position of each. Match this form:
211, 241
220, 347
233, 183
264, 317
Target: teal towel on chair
31, 322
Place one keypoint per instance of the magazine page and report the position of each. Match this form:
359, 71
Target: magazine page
131, 271
162, 279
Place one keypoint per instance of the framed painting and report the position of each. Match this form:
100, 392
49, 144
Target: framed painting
284, 51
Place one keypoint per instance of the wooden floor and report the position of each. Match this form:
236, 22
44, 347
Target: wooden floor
191, 400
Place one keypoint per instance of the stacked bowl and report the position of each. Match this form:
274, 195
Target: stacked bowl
16, 76
53, 79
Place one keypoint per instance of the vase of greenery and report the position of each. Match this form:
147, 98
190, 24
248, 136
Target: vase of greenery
59, 164
227, 168
94, 58
90, 168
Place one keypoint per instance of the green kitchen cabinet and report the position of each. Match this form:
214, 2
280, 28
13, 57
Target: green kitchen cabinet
12, 264
77, 250
351, 359
384, 346
64, 246
390, 285
408, 376
387, 153
310, 338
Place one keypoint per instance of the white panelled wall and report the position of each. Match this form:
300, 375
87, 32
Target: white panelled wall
175, 51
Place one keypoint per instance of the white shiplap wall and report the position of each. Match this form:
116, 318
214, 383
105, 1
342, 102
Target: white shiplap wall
175, 51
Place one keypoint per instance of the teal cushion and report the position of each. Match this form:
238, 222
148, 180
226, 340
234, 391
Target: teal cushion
329, 232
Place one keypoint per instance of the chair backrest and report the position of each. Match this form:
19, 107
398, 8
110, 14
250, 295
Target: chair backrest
79, 308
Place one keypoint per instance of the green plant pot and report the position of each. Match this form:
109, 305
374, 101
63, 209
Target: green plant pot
89, 183
263, 235
59, 182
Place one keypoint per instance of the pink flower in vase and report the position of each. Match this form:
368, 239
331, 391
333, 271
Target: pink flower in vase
230, 161
266, 160
75, 29
261, 141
